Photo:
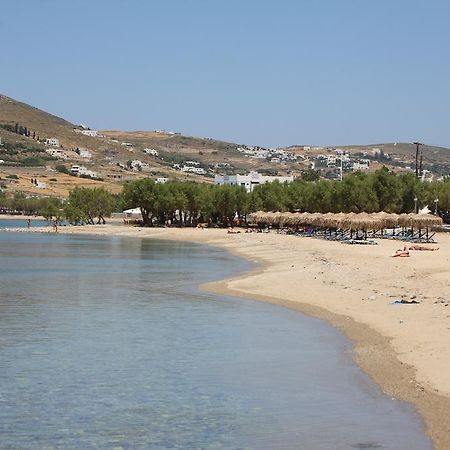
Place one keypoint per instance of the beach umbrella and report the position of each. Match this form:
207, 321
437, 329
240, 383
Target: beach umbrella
391, 220
405, 220
301, 219
365, 221
316, 219
349, 221
286, 219
425, 221
338, 219
328, 220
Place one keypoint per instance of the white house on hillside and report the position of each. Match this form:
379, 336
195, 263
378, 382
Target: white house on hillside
91, 133
151, 151
81, 170
85, 153
251, 180
54, 142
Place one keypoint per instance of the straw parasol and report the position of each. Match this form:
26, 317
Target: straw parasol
425, 221
405, 220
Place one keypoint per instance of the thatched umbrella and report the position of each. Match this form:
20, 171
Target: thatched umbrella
337, 221
302, 219
381, 218
348, 221
286, 219
316, 220
366, 221
260, 217
391, 220
405, 220
425, 221
255, 217
328, 220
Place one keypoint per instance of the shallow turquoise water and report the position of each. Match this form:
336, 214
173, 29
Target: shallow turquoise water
107, 342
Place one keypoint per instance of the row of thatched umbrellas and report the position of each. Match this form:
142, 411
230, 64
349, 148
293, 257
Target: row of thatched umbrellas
348, 221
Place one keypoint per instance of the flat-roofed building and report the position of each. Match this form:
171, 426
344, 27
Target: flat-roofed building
251, 180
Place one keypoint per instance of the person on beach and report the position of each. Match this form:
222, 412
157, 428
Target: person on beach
419, 247
400, 253
28, 223
55, 226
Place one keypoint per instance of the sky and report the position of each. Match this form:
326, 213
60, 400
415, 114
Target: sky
271, 73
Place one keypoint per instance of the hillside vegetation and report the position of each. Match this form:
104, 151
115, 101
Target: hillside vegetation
116, 157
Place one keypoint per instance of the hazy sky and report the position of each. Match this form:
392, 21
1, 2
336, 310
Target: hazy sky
262, 72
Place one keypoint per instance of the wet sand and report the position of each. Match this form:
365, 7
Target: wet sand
403, 347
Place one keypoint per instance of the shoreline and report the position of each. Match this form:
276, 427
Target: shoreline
380, 349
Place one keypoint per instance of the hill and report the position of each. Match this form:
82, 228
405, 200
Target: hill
39, 146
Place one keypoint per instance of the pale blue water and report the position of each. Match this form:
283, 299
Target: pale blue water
22, 223
107, 343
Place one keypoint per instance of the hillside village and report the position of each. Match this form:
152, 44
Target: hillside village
58, 155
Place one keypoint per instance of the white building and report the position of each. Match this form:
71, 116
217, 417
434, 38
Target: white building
191, 169
251, 180
54, 142
91, 133
56, 153
81, 170
360, 166
151, 151
162, 180
85, 153
138, 165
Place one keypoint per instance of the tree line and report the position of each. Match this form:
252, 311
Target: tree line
20, 130
188, 203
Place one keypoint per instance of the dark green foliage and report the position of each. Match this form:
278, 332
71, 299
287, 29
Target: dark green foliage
188, 203
86, 205
43, 206
62, 169
185, 203
33, 161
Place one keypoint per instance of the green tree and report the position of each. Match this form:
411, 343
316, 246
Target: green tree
87, 204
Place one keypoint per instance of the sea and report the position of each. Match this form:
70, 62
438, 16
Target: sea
108, 343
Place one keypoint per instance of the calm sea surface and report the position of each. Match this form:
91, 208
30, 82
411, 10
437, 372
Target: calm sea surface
22, 223
107, 343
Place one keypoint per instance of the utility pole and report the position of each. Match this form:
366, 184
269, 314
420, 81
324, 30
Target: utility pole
417, 144
420, 165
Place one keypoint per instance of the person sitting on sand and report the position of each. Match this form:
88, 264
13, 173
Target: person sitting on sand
231, 230
419, 247
400, 253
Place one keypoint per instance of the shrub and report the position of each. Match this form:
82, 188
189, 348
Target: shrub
62, 169
32, 161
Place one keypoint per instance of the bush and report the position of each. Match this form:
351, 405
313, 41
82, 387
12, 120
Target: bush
62, 169
12, 177
32, 161
53, 179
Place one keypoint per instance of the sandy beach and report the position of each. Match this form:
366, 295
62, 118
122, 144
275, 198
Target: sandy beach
357, 288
